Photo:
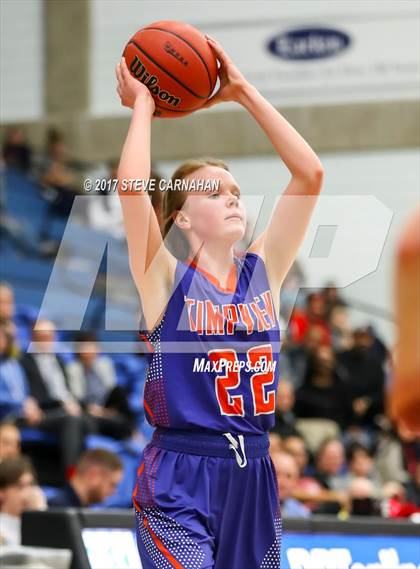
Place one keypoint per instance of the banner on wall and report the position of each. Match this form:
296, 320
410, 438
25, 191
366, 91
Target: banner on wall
295, 53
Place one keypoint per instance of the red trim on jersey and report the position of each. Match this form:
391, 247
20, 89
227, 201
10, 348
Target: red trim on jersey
139, 471
148, 343
232, 280
135, 503
148, 409
161, 547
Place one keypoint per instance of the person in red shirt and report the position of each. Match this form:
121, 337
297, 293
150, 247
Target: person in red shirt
315, 314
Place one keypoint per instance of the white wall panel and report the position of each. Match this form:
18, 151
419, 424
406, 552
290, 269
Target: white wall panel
21, 60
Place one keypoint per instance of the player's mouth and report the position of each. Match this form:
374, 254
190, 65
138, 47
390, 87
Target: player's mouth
234, 216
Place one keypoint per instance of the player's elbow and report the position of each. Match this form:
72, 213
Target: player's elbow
314, 179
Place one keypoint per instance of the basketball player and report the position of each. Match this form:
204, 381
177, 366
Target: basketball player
206, 492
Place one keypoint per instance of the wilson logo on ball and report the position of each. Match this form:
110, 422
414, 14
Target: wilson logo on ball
138, 69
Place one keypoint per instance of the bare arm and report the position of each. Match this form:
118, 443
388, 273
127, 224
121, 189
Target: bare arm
150, 261
280, 241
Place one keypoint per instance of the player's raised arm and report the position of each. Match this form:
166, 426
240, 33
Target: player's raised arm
279, 243
149, 259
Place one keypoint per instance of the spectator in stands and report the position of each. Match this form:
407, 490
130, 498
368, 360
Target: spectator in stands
396, 503
315, 313
294, 280
299, 355
46, 371
97, 476
34, 391
9, 440
7, 302
341, 332
366, 379
93, 382
284, 416
14, 392
321, 493
9, 316
275, 443
361, 465
330, 463
324, 394
16, 151
18, 492
295, 445
413, 487
362, 498
57, 174
308, 489
104, 208
287, 473
332, 299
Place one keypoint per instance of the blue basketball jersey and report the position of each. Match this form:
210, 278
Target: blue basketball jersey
214, 355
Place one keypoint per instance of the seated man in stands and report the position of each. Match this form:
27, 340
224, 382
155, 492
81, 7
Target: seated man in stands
284, 416
287, 473
18, 492
96, 477
16, 152
58, 175
93, 382
366, 379
26, 399
325, 393
322, 493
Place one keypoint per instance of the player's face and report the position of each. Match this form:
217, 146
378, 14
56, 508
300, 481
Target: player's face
216, 214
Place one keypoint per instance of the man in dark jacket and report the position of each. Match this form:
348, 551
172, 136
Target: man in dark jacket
366, 378
96, 477
48, 386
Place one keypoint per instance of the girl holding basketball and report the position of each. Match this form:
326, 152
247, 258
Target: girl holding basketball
206, 492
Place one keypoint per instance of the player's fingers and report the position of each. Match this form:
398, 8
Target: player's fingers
124, 69
220, 52
118, 72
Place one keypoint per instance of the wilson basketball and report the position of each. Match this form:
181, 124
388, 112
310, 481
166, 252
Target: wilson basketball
176, 63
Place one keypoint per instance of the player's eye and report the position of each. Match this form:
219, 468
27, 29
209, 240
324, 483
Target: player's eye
214, 195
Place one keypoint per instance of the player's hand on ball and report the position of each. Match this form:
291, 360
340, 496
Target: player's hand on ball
130, 89
232, 82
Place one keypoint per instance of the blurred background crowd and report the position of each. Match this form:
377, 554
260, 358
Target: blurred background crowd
72, 423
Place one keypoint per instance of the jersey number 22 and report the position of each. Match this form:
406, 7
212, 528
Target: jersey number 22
258, 357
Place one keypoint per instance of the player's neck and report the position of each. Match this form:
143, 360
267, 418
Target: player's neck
215, 260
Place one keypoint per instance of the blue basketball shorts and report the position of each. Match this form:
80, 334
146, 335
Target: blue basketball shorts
207, 500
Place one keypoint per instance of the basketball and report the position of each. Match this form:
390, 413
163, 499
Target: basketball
175, 62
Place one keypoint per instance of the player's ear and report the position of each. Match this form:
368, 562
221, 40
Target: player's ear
181, 220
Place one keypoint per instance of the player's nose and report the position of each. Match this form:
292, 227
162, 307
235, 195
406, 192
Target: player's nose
232, 200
